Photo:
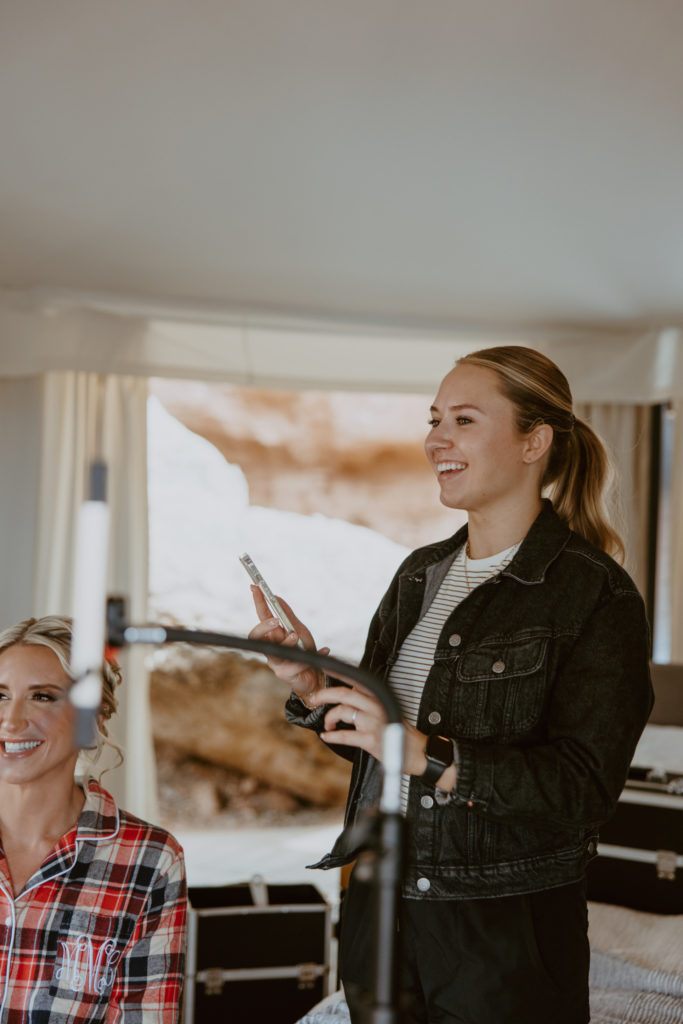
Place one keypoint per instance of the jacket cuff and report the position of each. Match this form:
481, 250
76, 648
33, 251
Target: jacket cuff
299, 713
444, 797
474, 782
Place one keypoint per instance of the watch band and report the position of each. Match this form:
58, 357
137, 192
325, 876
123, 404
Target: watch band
440, 756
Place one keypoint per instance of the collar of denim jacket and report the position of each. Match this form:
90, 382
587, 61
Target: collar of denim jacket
547, 537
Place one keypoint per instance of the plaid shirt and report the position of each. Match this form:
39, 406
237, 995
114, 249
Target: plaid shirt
97, 933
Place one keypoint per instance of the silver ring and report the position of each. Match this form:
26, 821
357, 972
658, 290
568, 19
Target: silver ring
353, 716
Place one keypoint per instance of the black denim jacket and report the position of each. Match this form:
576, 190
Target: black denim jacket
541, 676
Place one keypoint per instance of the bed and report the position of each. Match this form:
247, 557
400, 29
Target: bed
636, 974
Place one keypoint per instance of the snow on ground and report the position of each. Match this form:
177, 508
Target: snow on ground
333, 573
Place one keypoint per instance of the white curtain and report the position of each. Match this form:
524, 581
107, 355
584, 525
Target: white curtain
676, 520
87, 416
20, 413
626, 431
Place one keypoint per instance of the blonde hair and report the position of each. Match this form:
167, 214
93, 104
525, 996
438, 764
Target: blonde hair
54, 632
579, 472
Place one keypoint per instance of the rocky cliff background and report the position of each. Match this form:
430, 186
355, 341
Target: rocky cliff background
328, 492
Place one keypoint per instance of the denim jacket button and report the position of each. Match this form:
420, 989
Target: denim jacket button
427, 801
433, 717
498, 667
423, 884
455, 640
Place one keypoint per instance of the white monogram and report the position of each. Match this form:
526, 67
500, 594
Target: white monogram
81, 968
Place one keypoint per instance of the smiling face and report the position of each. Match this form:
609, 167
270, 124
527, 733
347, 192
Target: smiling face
482, 462
36, 716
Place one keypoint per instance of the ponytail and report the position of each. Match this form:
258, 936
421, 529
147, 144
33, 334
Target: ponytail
579, 474
578, 480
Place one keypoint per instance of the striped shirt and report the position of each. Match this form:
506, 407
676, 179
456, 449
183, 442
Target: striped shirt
96, 935
416, 655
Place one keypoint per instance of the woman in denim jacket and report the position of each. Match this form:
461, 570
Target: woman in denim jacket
519, 652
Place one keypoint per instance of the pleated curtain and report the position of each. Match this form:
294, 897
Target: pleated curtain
87, 416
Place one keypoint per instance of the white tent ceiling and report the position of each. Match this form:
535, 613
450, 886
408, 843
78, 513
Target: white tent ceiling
442, 164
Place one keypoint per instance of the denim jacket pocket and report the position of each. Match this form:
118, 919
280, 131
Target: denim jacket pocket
498, 687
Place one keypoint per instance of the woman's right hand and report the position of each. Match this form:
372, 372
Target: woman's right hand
303, 679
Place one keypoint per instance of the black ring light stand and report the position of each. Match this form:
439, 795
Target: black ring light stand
387, 841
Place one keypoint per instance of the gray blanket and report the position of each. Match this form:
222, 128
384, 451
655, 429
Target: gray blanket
636, 966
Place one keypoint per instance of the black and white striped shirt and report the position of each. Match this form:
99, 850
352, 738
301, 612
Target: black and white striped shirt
416, 655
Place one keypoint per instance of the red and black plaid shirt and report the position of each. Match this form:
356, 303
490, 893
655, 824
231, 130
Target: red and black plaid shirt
97, 933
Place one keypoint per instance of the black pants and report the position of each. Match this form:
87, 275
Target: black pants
508, 960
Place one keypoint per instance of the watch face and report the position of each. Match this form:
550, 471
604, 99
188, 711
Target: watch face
440, 749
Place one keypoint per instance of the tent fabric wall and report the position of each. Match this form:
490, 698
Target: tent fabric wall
86, 416
43, 333
20, 418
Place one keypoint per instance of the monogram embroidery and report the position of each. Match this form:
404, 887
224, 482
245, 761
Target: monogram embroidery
83, 969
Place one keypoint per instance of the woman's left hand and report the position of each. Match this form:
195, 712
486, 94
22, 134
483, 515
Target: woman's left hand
358, 707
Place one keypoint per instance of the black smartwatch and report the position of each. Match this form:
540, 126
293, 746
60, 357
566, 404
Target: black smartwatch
439, 752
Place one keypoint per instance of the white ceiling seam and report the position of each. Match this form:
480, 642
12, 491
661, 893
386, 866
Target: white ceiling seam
645, 366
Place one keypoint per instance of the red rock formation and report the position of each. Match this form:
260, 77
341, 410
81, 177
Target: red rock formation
222, 741
351, 456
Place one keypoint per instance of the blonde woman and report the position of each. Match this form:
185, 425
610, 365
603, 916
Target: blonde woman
518, 649
92, 900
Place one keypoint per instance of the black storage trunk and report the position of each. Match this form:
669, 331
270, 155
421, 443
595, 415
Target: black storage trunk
640, 862
256, 952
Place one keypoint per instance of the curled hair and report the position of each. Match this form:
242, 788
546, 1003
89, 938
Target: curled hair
55, 632
579, 472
